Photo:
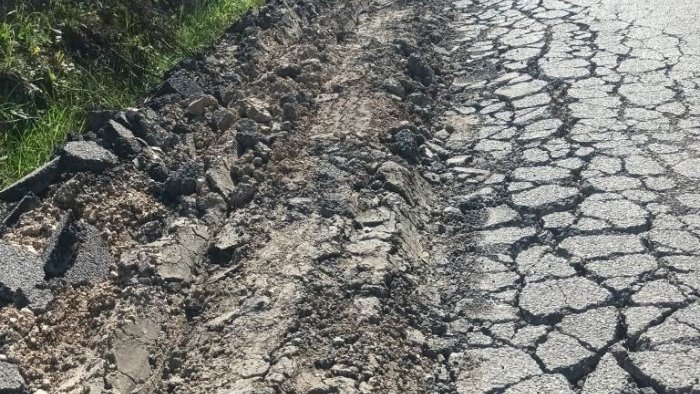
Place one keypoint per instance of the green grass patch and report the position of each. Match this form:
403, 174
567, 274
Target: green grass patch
63, 58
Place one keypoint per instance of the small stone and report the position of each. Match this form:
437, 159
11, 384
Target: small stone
256, 110
11, 382
394, 87
223, 119
198, 106
81, 156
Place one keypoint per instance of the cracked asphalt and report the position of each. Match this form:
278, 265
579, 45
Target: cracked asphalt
587, 113
471, 196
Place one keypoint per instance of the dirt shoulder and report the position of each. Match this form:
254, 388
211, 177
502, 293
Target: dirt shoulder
268, 221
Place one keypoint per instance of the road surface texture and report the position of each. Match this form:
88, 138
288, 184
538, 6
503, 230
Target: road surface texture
471, 196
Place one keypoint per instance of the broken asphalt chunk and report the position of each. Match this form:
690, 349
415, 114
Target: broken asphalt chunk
79, 156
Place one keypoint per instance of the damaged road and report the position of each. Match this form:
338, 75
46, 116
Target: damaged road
471, 196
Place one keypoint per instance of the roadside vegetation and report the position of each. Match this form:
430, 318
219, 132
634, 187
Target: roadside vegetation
60, 59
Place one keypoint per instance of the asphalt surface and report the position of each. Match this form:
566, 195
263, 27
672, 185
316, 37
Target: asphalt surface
588, 111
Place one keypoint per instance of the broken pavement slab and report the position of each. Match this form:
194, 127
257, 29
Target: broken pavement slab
22, 278
11, 382
36, 182
86, 156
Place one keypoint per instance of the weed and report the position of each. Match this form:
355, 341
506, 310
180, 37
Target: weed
67, 57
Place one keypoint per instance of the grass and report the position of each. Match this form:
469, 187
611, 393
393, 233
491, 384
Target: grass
68, 57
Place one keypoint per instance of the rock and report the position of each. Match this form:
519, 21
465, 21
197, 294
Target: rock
256, 110
180, 83
92, 259
60, 248
596, 327
27, 203
177, 255
145, 124
541, 174
35, 182
98, 119
130, 347
521, 89
182, 182
198, 106
290, 113
405, 144
219, 180
121, 140
248, 134
222, 120
289, 71
20, 278
242, 194
227, 242
11, 382
394, 87
420, 70
81, 156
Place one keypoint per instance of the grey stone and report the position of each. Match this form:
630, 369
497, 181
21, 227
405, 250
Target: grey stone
227, 242
394, 87
86, 156
673, 241
175, 256
558, 220
120, 140
222, 120
256, 110
21, 274
615, 183
672, 368
639, 165
92, 259
419, 69
198, 106
11, 382
219, 179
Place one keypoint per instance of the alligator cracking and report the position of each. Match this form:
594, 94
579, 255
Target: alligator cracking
473, 196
